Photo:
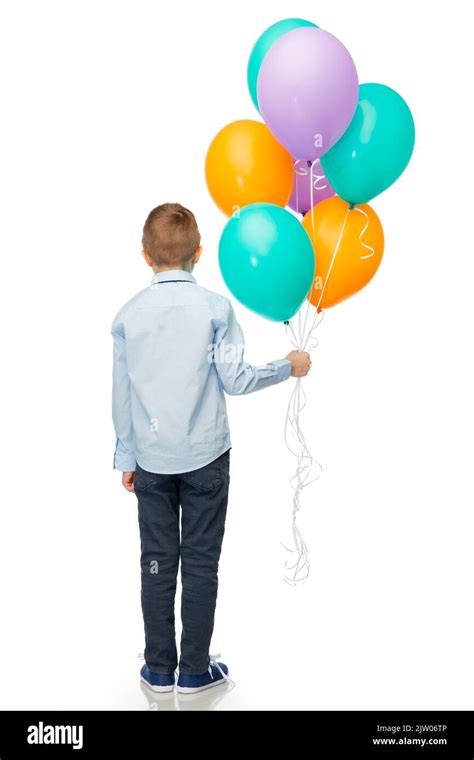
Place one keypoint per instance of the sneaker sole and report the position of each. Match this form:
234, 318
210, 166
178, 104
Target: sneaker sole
158, 689
194, 690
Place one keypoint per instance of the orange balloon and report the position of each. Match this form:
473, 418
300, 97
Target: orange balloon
348, 245
245, 164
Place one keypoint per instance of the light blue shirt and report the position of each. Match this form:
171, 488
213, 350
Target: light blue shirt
177, 348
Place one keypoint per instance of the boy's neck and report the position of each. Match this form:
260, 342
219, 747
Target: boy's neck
183, 268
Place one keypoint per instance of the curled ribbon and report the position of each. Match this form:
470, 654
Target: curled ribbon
362, 233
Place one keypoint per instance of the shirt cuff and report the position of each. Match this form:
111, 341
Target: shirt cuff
283, 368
123, 461
122, 466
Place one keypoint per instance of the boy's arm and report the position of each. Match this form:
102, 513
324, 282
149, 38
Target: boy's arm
239, 377
124, 458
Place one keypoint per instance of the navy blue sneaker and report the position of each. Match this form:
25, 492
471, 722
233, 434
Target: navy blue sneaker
215, 675
157, 681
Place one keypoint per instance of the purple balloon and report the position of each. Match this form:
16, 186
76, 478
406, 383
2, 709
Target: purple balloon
307, 91
302, 199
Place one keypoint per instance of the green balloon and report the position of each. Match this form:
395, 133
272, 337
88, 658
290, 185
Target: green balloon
263, 45
267, 260
376, 147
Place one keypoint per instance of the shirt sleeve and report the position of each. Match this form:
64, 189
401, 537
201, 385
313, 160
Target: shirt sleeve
236, 375
124, 458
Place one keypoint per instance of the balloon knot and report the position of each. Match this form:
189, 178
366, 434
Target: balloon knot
351, 206
286, 322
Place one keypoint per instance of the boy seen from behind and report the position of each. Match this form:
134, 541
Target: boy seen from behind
178, 350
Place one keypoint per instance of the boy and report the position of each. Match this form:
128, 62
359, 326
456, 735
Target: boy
177, 348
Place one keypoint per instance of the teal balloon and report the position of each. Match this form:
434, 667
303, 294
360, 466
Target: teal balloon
376, 147
263, 45
267, 260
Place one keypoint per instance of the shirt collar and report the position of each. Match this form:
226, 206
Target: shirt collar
172, 274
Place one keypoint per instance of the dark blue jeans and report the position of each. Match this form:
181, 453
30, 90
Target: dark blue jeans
202, 496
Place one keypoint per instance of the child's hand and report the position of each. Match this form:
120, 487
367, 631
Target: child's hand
300, 363
127, 481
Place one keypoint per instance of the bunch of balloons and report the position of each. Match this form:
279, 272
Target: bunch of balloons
327, 146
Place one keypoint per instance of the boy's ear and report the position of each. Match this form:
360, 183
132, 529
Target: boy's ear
197, 255
147, 258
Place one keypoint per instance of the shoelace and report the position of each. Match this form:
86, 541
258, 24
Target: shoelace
213, 662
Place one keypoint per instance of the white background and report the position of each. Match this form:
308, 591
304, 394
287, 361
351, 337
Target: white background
107, 110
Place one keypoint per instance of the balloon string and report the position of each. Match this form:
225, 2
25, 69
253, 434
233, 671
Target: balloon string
291, 334
295, 167
361, 235
300, 168
333, 258
308, 304
311, 196
308, 469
